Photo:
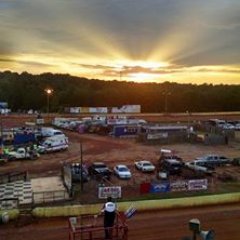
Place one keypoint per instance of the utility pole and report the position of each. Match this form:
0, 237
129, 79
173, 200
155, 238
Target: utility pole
166, 94
81, 164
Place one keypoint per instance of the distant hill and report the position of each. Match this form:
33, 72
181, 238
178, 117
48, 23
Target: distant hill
26, 91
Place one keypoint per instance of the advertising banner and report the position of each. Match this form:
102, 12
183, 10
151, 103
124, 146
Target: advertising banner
3, 104
154, 136
84, 109
145, 187
160, 187
114, 192
179, 186
102, 110
127, 109
98, 109
116, 121
198, 184
75, 110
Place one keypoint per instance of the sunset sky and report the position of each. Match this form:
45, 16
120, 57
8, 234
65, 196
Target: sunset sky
183, 41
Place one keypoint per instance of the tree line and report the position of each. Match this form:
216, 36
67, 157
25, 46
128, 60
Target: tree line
26, 91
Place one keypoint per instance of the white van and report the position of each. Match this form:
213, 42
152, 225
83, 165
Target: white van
53, 144
49, 132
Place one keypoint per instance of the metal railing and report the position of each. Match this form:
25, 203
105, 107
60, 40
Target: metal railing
50, 196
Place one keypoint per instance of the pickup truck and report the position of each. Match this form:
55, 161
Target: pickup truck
99, 170
171, 166
214, 160
198, 166
22, 153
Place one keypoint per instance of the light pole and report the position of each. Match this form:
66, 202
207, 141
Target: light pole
49, 92
166, 94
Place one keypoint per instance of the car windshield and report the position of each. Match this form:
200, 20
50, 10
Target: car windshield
123, 169
100, 166
176, 165
147, 164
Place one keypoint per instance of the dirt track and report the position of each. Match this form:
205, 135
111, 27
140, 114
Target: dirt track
157, 225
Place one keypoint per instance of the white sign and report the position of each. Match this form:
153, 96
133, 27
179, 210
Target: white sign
74, 109
198, 184
179, 186
40, 121
127, 109
114, 192
152, 136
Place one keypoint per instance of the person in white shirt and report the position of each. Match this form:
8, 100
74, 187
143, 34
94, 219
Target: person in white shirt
109, 210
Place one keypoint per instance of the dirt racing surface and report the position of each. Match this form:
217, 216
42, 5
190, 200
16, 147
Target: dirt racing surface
157, 225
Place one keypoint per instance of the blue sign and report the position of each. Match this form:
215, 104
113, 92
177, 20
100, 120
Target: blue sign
3, 104
160, 187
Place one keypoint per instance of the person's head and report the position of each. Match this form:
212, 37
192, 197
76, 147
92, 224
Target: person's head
109, 199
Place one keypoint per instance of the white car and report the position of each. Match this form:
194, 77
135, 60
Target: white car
122, 171
228, 126
145, 166
237, 126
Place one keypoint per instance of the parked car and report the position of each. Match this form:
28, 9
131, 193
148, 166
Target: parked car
214, 160
171, 166
237, 126
144, 166
122, 171
99, 170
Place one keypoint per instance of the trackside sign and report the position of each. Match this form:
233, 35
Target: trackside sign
113, 191
198, 184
